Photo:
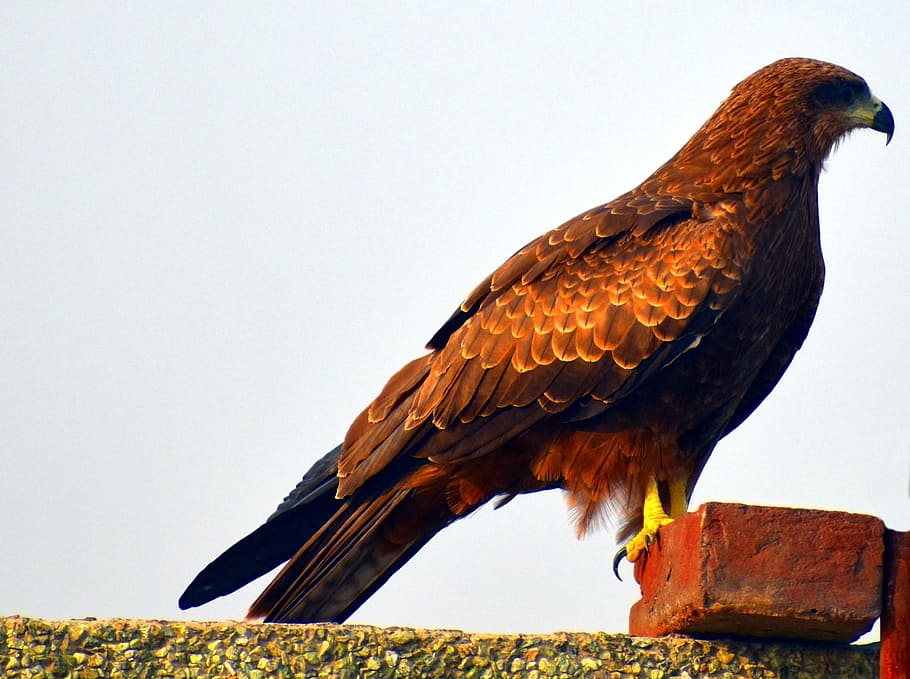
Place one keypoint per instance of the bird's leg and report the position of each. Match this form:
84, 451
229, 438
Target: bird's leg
679, 501
655, 516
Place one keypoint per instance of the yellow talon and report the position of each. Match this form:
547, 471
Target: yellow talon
654, 517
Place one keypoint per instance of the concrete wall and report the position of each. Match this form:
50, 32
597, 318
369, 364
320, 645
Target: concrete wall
124, 649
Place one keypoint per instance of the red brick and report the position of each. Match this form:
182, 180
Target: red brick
895, 655
740, 570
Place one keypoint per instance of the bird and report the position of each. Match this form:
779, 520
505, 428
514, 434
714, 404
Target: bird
605, 358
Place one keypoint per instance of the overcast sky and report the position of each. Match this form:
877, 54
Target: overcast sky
223, 226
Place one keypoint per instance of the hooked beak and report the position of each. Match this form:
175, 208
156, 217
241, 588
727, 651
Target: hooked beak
882, 120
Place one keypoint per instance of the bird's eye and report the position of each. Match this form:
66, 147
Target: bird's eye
841, 93
846, 93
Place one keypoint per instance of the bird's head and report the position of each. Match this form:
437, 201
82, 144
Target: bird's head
844, 103
818, 101
785, 119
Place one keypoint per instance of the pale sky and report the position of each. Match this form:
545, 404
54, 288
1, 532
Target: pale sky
223, 226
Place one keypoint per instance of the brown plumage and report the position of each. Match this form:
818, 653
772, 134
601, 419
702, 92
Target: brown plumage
606, 358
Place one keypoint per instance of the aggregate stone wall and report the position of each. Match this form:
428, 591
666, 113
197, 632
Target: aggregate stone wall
124, 649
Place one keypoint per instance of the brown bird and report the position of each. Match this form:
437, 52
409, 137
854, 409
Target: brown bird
606, 358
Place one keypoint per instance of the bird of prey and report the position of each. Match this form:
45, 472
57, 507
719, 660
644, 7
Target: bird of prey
606, 358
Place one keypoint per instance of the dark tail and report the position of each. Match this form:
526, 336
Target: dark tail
348, 559
340, 551
302, 514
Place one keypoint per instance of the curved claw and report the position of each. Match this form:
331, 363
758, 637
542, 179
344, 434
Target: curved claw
617, 558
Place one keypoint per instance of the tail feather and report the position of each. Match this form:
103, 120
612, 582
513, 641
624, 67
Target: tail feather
302, 513
351, 556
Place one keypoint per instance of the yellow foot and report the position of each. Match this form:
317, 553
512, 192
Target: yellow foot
641, 543
654, 518
647, 536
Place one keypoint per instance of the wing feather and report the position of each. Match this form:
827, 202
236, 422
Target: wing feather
574, 320
484, 393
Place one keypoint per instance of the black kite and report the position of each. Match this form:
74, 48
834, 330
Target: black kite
606, 358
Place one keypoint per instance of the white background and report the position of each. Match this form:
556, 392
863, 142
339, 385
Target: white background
223, 226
